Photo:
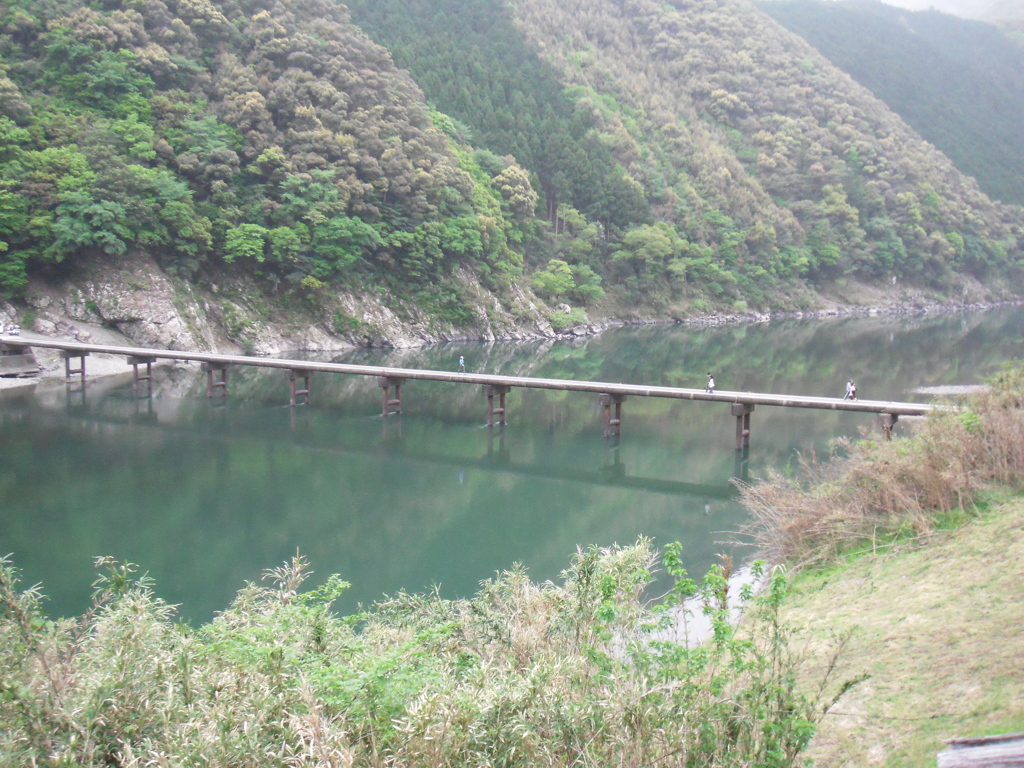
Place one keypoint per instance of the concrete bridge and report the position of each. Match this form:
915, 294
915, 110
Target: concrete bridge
16, 356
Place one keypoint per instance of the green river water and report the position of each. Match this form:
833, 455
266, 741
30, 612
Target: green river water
206, 496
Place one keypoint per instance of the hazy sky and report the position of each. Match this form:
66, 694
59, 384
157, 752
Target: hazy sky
970, 8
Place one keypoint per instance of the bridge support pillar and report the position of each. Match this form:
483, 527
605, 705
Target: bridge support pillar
385, 383
886, 421
296, 390
497, 454
742, 413
220, 382
68, 356
612, 425
490, 390
135, 361
391, 432
741, 468
17, 361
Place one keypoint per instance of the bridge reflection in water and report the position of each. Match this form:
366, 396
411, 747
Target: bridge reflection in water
110, 401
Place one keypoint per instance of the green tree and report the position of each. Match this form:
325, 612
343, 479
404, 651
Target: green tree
587, 285
340, 241
246, 241
286, 243
514, 185
647, 249
83, 222
554, 280
13, 223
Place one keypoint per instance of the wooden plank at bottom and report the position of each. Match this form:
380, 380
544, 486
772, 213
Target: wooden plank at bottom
1004, 751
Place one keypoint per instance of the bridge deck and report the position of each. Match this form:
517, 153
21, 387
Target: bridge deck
597, 387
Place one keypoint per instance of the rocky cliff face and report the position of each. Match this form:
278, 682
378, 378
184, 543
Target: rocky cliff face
140, 304
149, 307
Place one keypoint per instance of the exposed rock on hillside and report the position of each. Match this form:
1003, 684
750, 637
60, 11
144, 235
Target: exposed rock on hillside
148, 307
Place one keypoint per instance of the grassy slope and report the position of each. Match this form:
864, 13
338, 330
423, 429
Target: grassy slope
937, 631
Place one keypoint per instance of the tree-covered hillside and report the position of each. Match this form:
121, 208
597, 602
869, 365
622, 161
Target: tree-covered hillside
741, 126
474, 65
269, 134
680, 157
958, 83
760, 162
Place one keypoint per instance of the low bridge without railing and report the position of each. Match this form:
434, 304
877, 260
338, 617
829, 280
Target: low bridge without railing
611, 395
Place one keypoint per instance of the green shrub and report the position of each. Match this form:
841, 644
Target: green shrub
553, 280
561, 321
344, 324
583, 672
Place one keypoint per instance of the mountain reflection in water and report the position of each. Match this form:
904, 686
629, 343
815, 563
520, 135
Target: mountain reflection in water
205, 495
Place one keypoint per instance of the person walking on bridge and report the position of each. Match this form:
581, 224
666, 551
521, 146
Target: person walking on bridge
711, 383
462, 364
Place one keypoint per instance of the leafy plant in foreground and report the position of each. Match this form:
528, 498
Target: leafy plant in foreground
584, 672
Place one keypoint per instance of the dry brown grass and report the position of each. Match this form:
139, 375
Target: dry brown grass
877, 491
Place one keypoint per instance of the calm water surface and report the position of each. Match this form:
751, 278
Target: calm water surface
206, 497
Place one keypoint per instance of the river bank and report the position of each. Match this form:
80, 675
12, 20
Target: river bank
237, 314
104, 366
933, 638
910, 557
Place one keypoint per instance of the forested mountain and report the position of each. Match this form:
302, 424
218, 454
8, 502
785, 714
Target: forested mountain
958, 83
685, 156
760, 161
474, 64
799, 171
272, 133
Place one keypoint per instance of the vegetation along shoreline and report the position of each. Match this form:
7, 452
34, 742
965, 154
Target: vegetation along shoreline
901, 538
262, 176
